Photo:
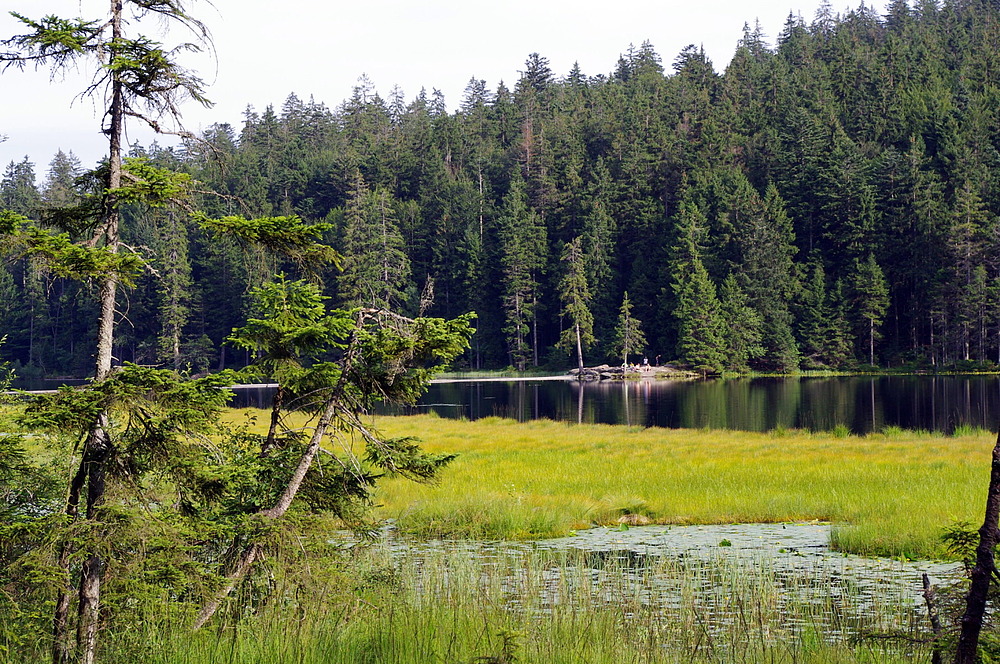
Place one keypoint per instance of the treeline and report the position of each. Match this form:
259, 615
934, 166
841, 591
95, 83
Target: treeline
828, 201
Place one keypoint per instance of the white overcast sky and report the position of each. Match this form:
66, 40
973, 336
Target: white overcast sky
267, 50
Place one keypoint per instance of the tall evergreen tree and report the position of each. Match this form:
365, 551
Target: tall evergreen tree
742, 326
60, 188
629, 336
700, 337
136, 78
18, 190
870, 295
523, 242
575, 295
376, 268
766, 271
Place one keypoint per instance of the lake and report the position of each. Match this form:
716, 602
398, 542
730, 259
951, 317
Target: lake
861, 403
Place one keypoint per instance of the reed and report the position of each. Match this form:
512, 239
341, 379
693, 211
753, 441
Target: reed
887, 494
482, 604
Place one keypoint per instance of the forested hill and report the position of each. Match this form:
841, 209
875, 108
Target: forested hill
830, 200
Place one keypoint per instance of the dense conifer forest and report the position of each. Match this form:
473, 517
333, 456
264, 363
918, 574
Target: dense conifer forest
829, 200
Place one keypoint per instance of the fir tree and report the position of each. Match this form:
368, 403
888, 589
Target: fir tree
629, 337
700, 337
742, 328
522, 257
870, 295
575, 295
376, 268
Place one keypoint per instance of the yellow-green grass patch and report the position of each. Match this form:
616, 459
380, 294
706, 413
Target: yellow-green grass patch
886, 495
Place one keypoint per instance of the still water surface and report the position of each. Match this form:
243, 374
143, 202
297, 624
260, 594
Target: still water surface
861, 403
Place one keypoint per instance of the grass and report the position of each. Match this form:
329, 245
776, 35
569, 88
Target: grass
887, 494
486, 605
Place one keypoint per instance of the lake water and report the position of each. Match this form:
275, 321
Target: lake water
861, 403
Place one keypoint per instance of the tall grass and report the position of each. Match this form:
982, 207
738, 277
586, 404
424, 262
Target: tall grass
887, 494
482, 605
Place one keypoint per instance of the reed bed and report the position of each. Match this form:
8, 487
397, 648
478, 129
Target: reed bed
888, 494
479, 604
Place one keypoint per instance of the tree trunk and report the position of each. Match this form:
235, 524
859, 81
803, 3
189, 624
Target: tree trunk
871, 341
98, 446
89, 609
272, 430
579, 348
534, 329
984, 569
252, 551
61, 646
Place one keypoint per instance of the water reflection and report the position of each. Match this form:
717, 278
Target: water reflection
861, 403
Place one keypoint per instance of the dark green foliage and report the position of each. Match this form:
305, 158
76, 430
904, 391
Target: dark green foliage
629, 337
288, 235
522, 253
150, 409
574, 293
742, 326
701, 341
700, 335
376, 267
870, 295
852, 135
823, 331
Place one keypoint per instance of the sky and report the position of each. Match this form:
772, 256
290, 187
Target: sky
265, 50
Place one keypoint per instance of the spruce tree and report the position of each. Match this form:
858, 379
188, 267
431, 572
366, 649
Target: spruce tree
742, 326
575, 296
700, 338
60, 188
766, 271
522, 240
629, 337
870, 295
376, 268
136, 78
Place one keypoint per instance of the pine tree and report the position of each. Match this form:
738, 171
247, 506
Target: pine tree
60, 189
376, 268
629, 337
742, 328
137, 78
767, 274
575, 295
700, 338
174, 288
522, 257
870, 295
18, 191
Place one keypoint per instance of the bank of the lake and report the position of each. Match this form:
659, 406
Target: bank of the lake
887, 494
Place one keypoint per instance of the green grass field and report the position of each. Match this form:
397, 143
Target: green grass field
886, 494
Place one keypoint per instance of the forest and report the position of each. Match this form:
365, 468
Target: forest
826, 201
